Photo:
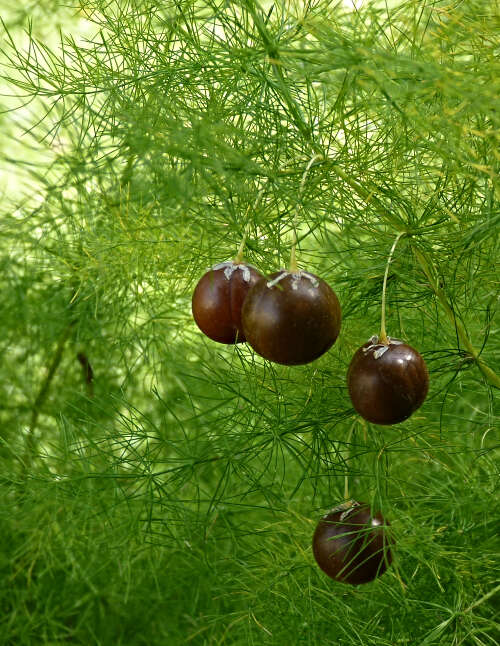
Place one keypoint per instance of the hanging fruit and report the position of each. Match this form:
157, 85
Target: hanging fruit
351, 544
291, 317
387, 381
387, 378
218, 298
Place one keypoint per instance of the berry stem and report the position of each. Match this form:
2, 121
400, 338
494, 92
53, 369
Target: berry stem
293, 254
239, 255
294, 268
346, 486
346, 477
383, 334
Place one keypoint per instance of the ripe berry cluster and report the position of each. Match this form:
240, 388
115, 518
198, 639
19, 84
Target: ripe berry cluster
289, 317
292, 318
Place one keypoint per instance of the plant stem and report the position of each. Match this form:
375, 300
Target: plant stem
383, 333
43, 392
293, 262
346, 477
294, 110
489, 374
293, 254
293, 268
239, 256
484, 598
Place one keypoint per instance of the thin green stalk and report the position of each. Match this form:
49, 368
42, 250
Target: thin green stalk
484, 598
294, 267
383, 333
249, 219
240, 255
348, 443
293, 254
490, 375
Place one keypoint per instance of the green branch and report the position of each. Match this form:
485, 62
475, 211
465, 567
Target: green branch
275, 61
427, 268
42, 394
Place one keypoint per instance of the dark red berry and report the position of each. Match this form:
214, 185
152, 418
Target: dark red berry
351, 544
217, 300
387, 382
291, 318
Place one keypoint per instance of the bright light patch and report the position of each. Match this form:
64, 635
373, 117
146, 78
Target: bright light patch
353, 4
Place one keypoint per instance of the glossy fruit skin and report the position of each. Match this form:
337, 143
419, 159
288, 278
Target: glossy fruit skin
387, 389
218, 298
291, 318
352, 545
